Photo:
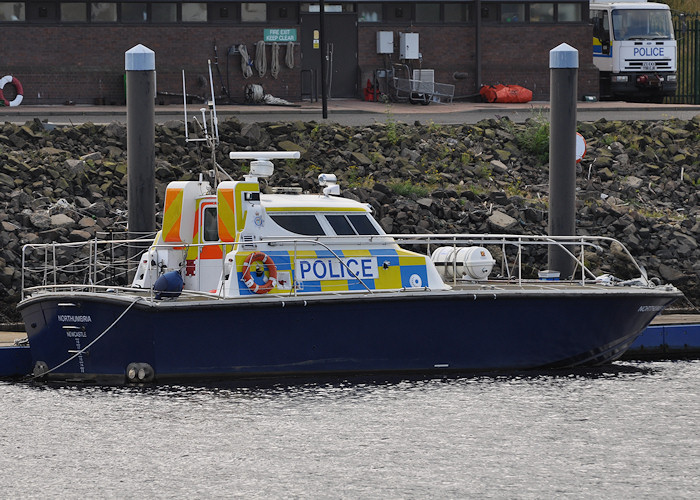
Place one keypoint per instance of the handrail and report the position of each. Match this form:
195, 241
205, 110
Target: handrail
332, 244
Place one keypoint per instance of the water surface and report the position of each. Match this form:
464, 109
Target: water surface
631, 430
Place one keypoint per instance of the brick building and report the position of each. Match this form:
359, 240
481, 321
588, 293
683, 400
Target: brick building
73, 51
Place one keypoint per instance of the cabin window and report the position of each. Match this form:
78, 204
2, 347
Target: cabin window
340, 225
211, 225
300, 224
362, 224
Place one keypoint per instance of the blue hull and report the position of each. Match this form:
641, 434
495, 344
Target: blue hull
15, 361
405, 332
666, 341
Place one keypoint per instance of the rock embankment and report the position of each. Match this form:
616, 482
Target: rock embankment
639, 181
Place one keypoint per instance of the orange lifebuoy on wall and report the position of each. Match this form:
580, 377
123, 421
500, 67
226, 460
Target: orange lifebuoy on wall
271, 269
18, 87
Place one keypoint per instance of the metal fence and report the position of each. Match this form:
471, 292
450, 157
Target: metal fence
687, 29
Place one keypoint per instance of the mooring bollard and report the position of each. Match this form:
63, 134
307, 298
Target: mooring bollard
140, 66
563, 65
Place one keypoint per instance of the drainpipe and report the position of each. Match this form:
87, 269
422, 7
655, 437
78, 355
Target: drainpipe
477, 75
322, 43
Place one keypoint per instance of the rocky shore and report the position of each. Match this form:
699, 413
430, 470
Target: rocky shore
639, 181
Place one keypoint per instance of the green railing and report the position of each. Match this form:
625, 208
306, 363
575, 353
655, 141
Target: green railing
687, 29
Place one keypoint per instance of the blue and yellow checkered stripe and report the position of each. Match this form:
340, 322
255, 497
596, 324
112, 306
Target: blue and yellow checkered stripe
396, 268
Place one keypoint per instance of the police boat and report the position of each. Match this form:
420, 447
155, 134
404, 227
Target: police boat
244, 283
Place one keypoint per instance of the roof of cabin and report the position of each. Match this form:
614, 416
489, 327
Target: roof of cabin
315, 202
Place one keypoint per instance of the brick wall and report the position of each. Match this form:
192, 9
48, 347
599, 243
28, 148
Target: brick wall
85, 64
520, 55
513, 54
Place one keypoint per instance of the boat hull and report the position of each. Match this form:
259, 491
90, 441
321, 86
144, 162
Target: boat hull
417, 332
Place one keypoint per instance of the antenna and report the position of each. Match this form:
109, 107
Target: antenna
211, 140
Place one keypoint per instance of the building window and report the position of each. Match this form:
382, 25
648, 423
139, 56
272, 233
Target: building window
512, 13
400, 12
569, 12
194, 13
12, 11
103, 12
542, 13
314, 7
427, 12
134, 12
164, 12
456, 13
73, 12
489, 13
283, 12
223, 12
41, 12
369, 12
253, 12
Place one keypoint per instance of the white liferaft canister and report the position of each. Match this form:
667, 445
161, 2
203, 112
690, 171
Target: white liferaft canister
473, 263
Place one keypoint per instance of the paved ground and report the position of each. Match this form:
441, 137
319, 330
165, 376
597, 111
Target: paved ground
356, 112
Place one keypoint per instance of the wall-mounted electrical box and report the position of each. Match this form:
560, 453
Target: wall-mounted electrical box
385, 42
408, 46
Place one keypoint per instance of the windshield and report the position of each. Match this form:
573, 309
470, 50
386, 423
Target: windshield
642, 24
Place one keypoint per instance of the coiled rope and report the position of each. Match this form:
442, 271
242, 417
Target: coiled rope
274, 60
289, 57
245, 62
260, 61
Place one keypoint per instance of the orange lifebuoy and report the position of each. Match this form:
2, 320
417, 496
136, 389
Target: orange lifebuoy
18, 87
271, 269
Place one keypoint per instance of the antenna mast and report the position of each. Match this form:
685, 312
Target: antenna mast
211, 140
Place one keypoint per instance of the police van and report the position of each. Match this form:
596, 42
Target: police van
635, 50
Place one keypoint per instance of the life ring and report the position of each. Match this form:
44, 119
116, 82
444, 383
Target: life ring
18, 86
271, 269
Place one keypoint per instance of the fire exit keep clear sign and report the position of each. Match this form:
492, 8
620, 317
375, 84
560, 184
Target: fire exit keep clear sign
280, 34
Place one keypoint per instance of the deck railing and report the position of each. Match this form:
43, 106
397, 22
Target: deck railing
106, 264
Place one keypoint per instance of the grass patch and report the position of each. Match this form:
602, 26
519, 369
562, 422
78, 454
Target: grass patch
408, 189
